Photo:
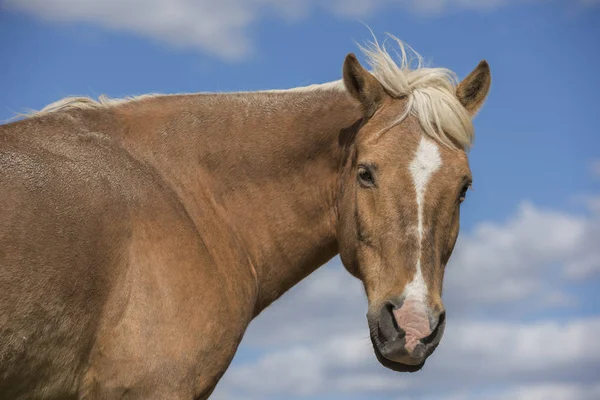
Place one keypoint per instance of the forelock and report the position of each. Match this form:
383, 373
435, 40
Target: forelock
430, 93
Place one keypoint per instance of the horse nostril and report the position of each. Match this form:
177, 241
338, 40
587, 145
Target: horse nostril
435, 332
388, 326
390, 308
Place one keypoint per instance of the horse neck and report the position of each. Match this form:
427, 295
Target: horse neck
268, 163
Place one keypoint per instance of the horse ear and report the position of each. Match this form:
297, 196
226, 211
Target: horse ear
362, 85
473, 90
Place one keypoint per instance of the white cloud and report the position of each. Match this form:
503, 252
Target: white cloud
498, 270
522, 258
473, 355
218, 27
221, 28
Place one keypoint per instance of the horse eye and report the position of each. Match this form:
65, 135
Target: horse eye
365, 176
463, 193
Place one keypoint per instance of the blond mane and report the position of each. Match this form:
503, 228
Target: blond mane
83, 103
430, 94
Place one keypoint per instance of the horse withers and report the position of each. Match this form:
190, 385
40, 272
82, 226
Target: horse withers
139, 237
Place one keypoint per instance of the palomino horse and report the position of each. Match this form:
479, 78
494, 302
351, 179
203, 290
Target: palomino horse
139, 237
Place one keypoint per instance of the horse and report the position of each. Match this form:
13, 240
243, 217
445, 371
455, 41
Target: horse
139, 237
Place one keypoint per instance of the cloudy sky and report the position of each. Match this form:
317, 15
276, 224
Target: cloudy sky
521, 290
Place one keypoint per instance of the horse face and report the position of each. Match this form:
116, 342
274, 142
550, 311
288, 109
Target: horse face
399, 220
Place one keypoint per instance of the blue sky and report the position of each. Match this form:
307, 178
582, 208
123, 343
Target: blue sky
527, 266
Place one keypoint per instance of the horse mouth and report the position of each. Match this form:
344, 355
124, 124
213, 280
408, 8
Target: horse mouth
378, 343
394, 365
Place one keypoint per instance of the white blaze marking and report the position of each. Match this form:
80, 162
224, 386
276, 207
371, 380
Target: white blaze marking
427, 160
